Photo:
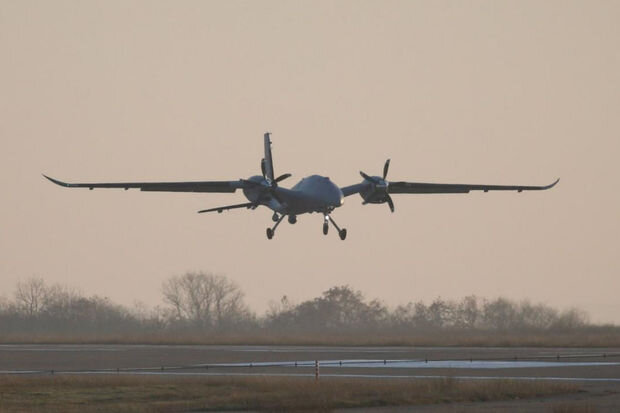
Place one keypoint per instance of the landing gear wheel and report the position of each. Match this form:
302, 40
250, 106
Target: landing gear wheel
342, 233
275, 217
269, 233
325, 228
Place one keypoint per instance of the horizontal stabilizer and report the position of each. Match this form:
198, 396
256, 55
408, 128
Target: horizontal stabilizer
224, 208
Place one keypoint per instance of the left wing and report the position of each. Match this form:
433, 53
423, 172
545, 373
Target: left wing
402, 187
430, 188
196, 186
354, 189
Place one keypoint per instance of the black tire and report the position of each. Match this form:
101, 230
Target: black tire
325, 228
343, 234
269, 233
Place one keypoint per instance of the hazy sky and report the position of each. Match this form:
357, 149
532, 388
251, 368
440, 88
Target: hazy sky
489, 92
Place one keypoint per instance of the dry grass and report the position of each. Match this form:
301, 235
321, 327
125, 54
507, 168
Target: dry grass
163, 394
577, 338
574, 408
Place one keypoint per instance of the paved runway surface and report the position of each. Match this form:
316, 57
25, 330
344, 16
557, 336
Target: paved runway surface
572, 364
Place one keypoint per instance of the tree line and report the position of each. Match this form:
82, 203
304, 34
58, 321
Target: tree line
207, 303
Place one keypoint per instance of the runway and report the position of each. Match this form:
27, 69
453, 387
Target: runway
473, 363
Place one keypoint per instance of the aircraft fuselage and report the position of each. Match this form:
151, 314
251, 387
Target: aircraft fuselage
314, 193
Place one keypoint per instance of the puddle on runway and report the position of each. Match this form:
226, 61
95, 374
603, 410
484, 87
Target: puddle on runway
422, 364
475, 364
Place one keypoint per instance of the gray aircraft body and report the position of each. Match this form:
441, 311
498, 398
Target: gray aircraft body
314, 193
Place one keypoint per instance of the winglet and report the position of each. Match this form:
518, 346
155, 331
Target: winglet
57, 182
552, 185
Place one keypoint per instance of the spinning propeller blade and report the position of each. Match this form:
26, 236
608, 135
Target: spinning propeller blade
385, 168
283, 177
390, 203
369, 178
263, 168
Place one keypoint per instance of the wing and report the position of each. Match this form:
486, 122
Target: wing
353, 189
430, 188
197, 186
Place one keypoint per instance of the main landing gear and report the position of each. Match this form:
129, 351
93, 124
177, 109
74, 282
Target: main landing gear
342, 233
271, 231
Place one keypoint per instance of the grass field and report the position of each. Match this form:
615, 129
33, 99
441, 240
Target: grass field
69, 394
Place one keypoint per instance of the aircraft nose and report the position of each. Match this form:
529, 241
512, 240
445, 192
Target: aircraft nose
337, 197
332, 195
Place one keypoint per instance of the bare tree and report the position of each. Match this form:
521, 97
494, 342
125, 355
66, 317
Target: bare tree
439, 313
205, 299
537, 316
30, 295
227, 300
338, 309
466, 312
571, 319
499, 314
59, 301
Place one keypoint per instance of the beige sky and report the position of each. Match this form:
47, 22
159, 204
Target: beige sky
462, 92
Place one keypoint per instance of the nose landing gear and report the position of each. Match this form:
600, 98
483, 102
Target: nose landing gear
342, 233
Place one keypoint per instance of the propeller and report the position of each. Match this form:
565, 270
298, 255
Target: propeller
389, 201
386, 167
263, 169
379, 193
271, 185
283, 177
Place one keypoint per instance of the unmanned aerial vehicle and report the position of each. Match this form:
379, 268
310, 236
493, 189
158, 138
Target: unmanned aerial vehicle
314, 193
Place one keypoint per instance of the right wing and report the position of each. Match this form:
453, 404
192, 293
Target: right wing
196, 186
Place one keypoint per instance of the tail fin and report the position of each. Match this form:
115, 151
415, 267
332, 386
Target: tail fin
267, 161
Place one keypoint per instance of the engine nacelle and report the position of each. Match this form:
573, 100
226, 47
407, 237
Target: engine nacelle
256, 193
376, 189
375, 192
